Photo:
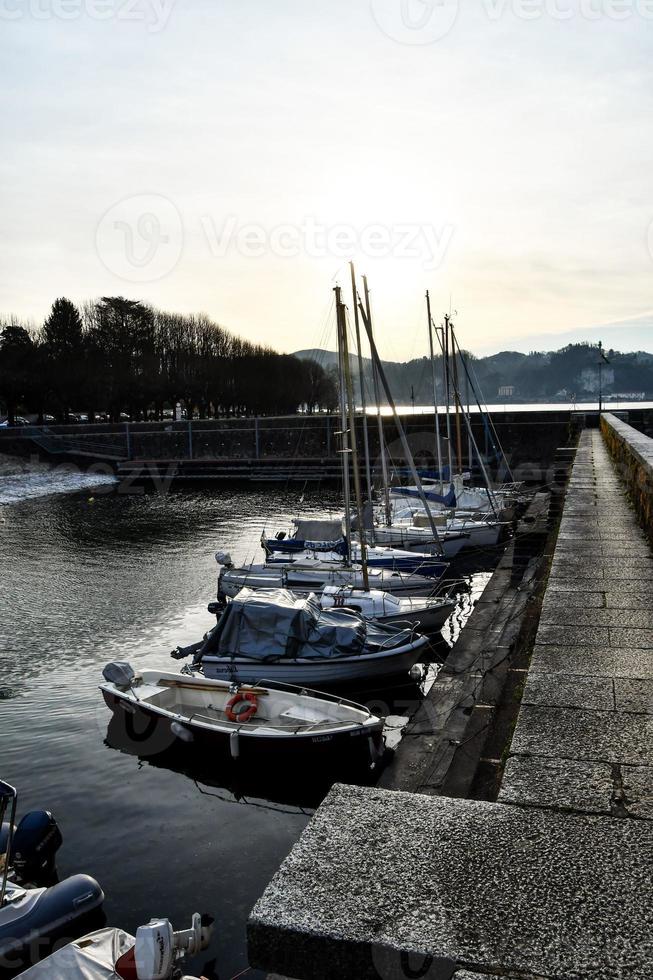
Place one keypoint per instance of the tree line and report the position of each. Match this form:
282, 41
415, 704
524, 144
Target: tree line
116, 356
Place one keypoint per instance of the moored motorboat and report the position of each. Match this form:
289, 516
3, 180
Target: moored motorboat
246, 722
35, 907
424, 615
276, 634
153, 953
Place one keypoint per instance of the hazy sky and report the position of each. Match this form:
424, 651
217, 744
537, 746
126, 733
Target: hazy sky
230, 156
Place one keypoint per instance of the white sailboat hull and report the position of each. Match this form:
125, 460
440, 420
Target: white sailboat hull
457, 536
304, 579
425, 616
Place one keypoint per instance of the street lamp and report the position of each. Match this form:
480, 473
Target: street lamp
602, 360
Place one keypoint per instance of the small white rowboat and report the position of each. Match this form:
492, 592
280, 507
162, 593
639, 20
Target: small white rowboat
247, 722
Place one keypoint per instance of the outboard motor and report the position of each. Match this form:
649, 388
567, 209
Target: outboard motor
120, 673
30, 914
36, 842
158, 948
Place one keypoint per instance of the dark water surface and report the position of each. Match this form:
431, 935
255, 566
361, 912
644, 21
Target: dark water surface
128, 576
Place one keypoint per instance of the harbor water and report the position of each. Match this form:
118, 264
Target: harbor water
99, 575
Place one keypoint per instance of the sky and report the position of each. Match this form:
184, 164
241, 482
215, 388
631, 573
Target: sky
231, 157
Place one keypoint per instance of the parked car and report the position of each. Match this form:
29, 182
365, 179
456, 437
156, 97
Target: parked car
20, 420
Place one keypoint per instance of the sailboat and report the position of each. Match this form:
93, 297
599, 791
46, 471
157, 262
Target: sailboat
467, 500
411, 511
297, 548
348, 561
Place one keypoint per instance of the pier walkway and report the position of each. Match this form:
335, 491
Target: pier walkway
552, 881
584, 738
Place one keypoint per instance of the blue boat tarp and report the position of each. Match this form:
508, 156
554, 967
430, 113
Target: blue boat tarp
449, 500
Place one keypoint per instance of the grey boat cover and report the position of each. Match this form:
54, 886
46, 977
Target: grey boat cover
274, 624
317, 530
90, 958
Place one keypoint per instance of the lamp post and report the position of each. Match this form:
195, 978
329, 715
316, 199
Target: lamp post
602, 360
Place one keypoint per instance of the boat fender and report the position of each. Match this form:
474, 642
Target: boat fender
242, 707
234, 745
181, 732
376, 751
224, 558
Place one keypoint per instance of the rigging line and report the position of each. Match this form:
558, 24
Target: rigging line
487, 412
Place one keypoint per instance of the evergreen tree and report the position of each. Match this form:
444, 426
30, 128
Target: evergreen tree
63, 347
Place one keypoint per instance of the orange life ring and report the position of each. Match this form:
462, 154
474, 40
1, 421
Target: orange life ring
246, 714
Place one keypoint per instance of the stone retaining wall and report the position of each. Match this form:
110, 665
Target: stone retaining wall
632, 451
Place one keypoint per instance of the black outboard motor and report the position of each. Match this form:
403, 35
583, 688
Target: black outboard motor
36, 842
31, 913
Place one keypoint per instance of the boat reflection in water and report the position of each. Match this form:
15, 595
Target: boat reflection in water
280, 789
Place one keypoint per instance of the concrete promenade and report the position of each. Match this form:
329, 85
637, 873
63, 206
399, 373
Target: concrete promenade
552, 881
584, 738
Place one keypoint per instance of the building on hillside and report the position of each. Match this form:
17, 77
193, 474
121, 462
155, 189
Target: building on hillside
506, 391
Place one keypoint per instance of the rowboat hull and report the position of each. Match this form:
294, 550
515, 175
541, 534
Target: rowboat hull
344, 729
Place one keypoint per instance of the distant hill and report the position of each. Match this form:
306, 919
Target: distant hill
508, 376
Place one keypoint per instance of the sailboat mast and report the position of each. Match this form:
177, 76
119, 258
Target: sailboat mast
400, 430
349, 390
447, 389
438, 448
361, 381
456, 395
379, 417
344, 447
472, 440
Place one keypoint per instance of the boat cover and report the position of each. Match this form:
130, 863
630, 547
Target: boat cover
90, 958
448, 501
317, 530
270, 624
